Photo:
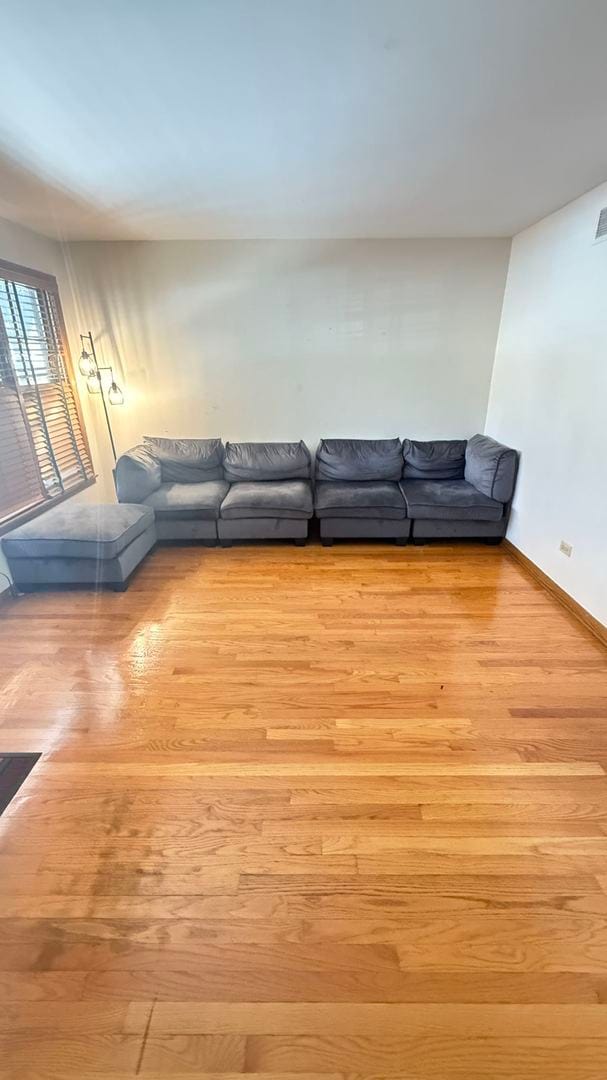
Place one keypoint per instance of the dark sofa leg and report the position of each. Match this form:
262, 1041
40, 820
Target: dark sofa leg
226, 543
491, 540
301, 541
120, 586
326, 541
401, 541
209, 543
419, 541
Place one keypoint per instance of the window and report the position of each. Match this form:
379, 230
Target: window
44, 453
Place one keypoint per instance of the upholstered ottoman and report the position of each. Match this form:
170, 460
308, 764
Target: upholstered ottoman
81, 545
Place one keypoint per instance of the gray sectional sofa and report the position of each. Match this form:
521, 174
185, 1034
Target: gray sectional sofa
365, 488
181, 479
458, 488
358, 489
75, 544
203, 490
270, 496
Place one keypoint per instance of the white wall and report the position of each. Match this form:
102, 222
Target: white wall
549, 396
28, 248
290, 339
280, 339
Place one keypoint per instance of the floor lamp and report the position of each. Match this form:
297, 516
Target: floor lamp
91, 369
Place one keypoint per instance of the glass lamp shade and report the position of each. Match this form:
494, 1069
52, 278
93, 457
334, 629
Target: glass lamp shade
86, 365
93, 383
115, 395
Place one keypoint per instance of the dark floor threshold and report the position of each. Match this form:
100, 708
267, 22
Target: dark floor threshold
14, 768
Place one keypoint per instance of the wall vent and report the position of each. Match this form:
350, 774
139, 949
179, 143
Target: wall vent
601, 229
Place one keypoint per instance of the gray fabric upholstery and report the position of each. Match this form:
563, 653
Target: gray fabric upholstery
187, 461
362, 499
440, 459
79, 532
189, 500
449, 500
84, 571
267, 461
359, 459
491, 467
137, 475
364, 528
284, 498
268, 528
424, 529
170, 528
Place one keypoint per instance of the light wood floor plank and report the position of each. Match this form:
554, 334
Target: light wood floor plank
379, 1020
333, 815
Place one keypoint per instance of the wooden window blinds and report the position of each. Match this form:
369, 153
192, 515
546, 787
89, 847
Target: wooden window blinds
44, 452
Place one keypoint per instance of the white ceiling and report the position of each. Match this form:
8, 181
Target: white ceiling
154, 119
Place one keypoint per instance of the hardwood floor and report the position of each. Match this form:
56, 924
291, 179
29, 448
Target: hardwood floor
305, 813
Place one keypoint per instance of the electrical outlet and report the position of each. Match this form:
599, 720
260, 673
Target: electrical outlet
565, 548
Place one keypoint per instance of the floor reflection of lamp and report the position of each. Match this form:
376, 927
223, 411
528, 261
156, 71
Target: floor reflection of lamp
91, 369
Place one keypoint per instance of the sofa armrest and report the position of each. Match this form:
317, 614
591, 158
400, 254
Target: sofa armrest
137, 475
491, 467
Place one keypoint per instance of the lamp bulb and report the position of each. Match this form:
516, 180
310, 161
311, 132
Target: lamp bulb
115, 395
86, 364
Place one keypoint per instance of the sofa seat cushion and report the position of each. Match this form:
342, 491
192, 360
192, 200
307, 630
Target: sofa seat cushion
79, 532
359, 459
360, 499
254, 461
189, 500
439, 459
187, 461
449, 500
269, 499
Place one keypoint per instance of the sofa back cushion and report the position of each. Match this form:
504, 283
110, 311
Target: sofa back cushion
491, 467
439, 459
137, 475
255, 461
187, 461
359, 459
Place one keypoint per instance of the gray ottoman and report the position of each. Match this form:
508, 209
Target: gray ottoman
81, 545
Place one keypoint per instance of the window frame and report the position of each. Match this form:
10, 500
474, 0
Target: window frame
39, 279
